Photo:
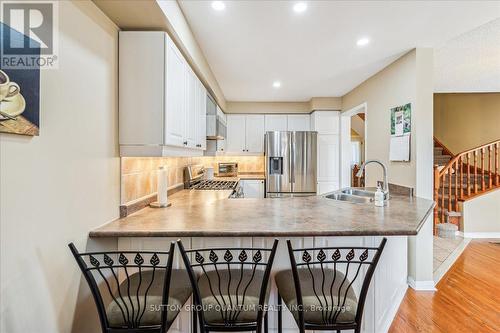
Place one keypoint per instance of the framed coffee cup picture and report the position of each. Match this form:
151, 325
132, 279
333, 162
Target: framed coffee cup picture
19, 86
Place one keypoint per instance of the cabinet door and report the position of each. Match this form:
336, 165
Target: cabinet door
276, 122
254, 131
299, 122
141, 119
235, 141
202, 116
326, 187
192, 106
253, 188
175, 90
326, 122
328, 158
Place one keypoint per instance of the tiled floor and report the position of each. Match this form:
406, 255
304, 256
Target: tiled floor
443, 248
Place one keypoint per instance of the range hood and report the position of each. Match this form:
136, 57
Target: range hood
216, 121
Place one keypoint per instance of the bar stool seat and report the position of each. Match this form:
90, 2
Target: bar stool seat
233, 283
179, 293
312, 283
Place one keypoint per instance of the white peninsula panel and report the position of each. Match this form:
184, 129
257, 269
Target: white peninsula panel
386, 291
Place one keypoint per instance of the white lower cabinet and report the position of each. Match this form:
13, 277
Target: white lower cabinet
386, 291
253, 188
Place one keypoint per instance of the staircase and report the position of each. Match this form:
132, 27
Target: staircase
441, 158
462, 177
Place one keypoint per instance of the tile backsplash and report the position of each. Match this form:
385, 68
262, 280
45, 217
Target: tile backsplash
139, 174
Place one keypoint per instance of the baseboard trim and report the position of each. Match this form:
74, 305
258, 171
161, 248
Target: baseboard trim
421, 285
393, 310
479, 234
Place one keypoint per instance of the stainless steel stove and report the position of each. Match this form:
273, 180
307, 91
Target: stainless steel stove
194, 179
215, 185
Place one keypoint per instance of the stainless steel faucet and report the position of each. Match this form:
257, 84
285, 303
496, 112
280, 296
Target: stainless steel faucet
386, 184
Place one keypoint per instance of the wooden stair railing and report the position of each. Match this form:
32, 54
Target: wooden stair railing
467, 175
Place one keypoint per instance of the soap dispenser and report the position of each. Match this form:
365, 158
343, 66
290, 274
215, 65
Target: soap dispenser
379, 197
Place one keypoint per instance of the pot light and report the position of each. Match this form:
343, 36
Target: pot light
218, 5
300, 7
276, 84
363, 41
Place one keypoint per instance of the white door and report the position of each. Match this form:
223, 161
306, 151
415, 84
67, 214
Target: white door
235, 141
328, 158
253, 188
276, 122
299, 122
254, 134
175, 90
191, 108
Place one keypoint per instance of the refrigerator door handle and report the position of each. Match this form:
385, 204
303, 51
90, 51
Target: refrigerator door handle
292, 158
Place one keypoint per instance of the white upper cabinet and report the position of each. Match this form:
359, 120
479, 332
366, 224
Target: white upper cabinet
192, 104
254, 133
175, 95
201, 130
236, 137
325, 122
245, 134
299, 122
276, 122
162, 102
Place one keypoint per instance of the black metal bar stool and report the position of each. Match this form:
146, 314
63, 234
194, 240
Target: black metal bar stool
132, 289
328, 292
230, 287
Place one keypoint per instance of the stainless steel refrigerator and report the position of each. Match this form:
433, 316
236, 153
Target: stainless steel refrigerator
290, 163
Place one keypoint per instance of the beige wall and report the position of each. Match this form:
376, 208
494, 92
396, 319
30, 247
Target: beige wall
464, 121
58, 186
139, 175
482, 215
316, 103
395, 85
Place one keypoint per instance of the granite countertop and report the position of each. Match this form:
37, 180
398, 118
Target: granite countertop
210, 213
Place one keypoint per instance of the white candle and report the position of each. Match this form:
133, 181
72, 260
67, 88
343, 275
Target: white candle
162, 186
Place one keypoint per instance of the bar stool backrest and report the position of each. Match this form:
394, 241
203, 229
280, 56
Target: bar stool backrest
105, 271
215, 265
352, 269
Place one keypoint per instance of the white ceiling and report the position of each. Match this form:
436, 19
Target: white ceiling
470, 62
252, 43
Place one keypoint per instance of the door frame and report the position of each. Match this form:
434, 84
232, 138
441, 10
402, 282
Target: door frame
345, 142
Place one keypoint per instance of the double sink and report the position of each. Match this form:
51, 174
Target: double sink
360, 195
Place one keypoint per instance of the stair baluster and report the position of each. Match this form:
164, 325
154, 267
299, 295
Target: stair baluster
469, 182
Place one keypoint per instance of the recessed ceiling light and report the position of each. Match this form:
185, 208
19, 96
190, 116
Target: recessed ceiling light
276, 84
300, 7
363, 41
218, 5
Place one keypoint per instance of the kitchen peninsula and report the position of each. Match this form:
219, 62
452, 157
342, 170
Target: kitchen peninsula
210, 219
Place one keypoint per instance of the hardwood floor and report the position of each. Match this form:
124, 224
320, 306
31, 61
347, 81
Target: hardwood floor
467, 297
